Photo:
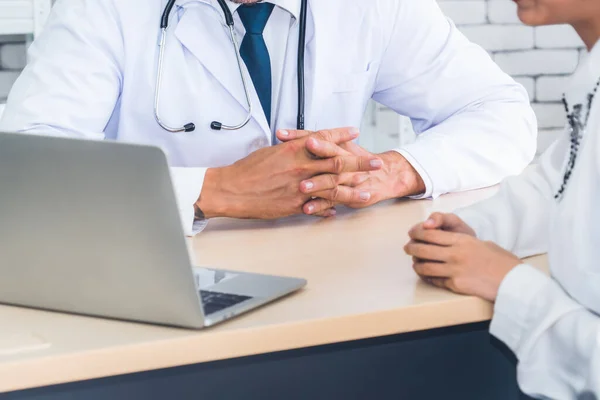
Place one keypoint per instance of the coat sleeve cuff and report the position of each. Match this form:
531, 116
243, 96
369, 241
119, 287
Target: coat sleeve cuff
421, 171
516, 306
187, 183
435, 172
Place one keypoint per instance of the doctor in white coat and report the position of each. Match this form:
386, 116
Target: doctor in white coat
552, 323
93, 74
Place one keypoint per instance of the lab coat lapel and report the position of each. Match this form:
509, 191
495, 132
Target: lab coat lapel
320, 56
327, 54
203, 32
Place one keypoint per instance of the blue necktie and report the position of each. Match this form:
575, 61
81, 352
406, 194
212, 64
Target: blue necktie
255, 53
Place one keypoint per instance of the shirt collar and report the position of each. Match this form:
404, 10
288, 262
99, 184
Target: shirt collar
291, 6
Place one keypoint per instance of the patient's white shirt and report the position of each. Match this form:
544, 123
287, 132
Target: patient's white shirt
552, 323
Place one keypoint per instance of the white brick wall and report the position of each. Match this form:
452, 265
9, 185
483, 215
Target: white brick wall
465, 11
500, 37
502, 12
541, 59
556, 37
550, 88
536, 62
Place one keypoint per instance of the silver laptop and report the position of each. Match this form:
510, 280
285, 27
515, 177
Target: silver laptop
92, 227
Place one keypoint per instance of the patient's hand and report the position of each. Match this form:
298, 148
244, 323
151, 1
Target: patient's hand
449, 223
459, 261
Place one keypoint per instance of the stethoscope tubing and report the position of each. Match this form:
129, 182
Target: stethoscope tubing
215, 125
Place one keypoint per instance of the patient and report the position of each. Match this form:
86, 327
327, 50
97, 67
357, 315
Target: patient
551, 323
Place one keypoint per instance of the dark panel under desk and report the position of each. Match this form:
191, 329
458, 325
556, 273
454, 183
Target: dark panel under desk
461, 362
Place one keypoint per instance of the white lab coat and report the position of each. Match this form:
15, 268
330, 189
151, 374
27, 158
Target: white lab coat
92, 74
552, 324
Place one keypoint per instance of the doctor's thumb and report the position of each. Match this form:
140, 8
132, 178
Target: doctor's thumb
286, 135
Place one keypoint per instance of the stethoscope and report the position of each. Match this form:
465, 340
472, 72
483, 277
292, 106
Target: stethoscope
215, 125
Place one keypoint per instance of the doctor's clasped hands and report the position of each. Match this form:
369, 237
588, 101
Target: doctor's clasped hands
267, 183
396, 178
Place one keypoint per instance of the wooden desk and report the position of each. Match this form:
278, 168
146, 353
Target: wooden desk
360, 285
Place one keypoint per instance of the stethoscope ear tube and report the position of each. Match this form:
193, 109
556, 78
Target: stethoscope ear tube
301, 50
164, 20
164, 24
190, 127
226, 13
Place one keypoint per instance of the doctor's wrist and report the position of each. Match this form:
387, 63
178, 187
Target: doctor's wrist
211, 204
404, 180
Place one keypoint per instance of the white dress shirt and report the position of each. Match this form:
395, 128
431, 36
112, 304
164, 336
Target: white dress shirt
552, 323
285, 16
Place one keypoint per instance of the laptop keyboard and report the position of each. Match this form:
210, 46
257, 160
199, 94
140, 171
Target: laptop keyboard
213, 302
